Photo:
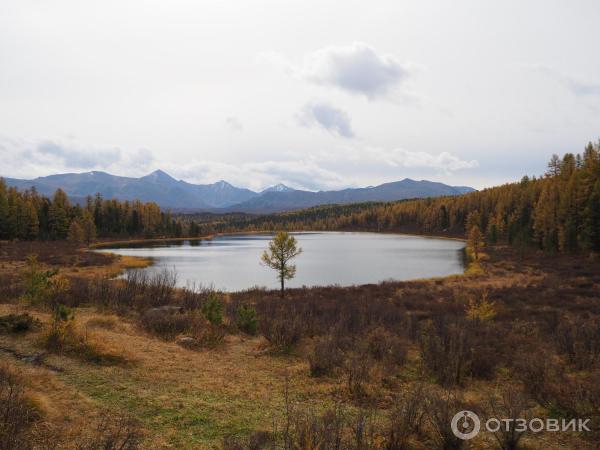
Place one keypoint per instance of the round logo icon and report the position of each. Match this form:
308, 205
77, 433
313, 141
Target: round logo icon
465, 425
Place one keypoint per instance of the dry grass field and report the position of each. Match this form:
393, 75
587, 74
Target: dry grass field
126, 376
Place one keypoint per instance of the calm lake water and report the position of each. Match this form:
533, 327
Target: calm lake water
231, 263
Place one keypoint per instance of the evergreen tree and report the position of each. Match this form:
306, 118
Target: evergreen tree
58, 215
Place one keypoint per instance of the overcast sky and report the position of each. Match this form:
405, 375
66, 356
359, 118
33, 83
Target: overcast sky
315, 94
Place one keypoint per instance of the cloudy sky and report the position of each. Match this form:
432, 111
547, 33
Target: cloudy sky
315, 94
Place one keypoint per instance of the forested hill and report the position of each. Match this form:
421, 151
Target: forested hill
559, 211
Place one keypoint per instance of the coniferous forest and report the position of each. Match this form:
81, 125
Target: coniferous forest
28, 216
557, 212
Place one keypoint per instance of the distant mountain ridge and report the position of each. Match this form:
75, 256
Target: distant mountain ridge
398, 190
168, 192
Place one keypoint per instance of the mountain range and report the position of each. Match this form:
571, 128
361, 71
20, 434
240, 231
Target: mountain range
221, 196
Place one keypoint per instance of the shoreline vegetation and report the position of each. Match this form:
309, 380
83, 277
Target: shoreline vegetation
87, 362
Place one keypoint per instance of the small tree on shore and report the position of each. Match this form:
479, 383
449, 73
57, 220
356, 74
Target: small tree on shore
475, 241
282, 248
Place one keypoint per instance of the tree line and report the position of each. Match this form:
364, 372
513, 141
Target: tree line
557, 212
27, 215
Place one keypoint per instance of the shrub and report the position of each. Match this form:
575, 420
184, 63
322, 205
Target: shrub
508, 403
114, 432
17, 414
405, 420
453, 349
283, 331
37, 283
212, 309
193, 296
247, 320
169, 322
439, 411
385, 347
579, 341
160, 289
18, 323
325, 357
358, 372
209, 336
482, 309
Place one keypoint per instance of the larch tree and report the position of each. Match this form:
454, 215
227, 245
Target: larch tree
58, 215
75, 234
89, 228
282, 249
475, 240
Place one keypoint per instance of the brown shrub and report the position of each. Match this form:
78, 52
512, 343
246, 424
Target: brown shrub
283, 331
405, 420
326, 355
113, 432
383, 346
579, 341
358, 373
508, 403
168, 322
18, 323
440, 408
453, 349
17, 414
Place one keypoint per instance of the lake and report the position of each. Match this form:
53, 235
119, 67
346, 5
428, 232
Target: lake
232, 263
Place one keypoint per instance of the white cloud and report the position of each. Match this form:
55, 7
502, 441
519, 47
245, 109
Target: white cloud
301, 174
328, 117
357, 68
576, 86
26, 158
234, 124
78, 158
443, 162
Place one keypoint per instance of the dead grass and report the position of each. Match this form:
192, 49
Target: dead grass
185, 399
192, 399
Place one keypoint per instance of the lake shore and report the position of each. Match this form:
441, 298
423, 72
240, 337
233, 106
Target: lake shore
330, 258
